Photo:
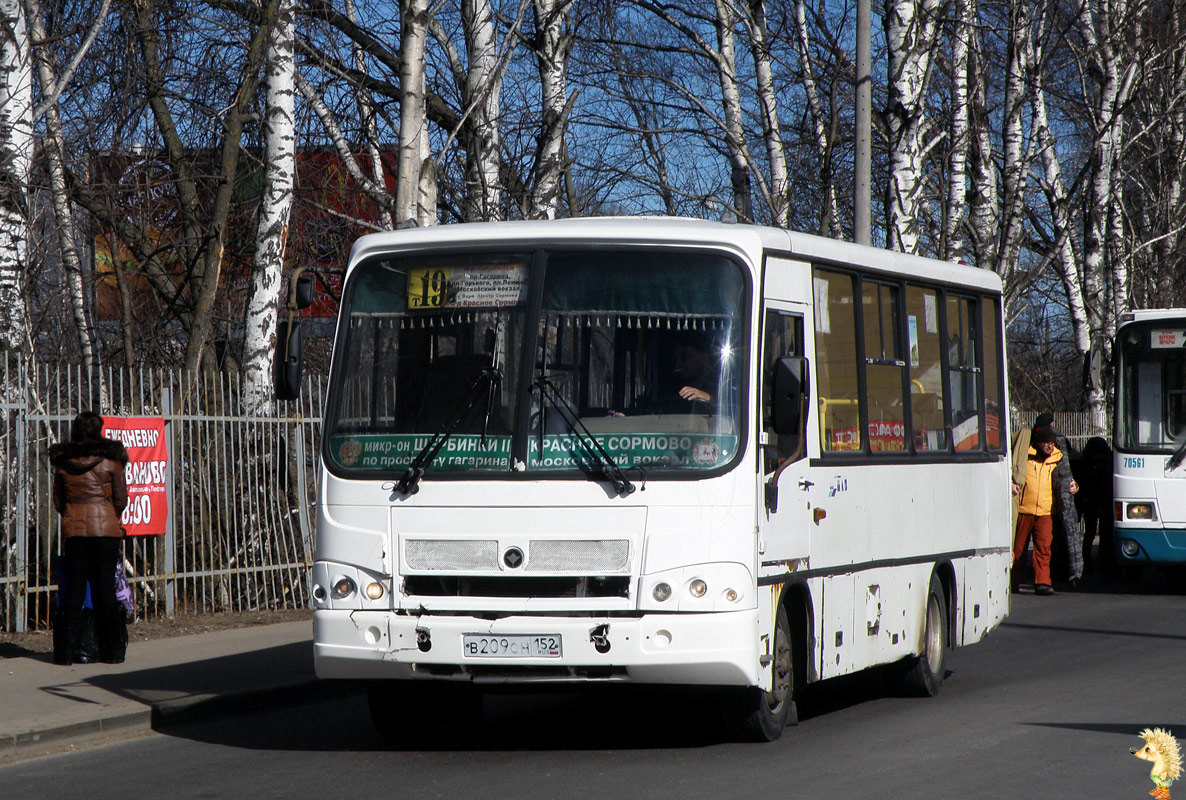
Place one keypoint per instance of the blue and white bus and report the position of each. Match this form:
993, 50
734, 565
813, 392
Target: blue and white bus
655, 451
1149, 433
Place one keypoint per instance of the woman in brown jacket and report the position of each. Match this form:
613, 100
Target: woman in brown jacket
90, 493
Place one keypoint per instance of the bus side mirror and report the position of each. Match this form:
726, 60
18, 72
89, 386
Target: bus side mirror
790, 394
286, 367
302, 290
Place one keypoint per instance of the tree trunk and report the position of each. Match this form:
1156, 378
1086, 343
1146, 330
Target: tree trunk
829, 220
771, 130
259, 343
552, 46
368, 120
726, 63
910, 30
413, 135
1105, 271
63, 210
1016, 162
16, 145
483, 91
955, 208
1061, 219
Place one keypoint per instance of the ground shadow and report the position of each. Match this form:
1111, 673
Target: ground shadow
613, 717
12, 650
1120, 728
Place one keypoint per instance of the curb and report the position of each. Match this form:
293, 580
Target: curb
14, 747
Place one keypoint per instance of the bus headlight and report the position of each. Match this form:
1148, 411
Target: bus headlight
1145, 511
1130, 548
697, 587
374, 590
343, 588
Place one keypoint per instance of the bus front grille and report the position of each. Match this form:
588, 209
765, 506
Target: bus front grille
470, 586
587, 556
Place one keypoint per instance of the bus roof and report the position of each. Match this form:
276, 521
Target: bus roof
751, 240
1151, 314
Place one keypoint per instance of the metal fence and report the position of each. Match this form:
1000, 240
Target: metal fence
240, 491
1077, 426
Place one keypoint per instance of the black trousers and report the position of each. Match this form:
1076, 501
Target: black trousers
92, 559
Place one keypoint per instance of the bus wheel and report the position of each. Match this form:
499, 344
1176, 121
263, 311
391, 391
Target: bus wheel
923, 674
753, 715
409, 712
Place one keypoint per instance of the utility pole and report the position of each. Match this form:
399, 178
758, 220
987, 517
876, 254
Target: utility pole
862, 209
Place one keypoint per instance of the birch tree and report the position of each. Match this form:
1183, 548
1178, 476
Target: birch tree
482, 95
552, 44
53, 144
1000, 155
16, 144
822, 121
1060, 243
279, 131
911, 28
779, 199
414, 199
725, 60
1104, 26
964, 25
368, 117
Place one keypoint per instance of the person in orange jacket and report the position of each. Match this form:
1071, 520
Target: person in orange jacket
1046, 469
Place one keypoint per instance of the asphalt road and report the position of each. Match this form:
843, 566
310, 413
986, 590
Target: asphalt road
1048, 706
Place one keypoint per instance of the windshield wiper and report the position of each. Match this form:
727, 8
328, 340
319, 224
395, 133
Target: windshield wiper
1177, 457
603, 462
492, 377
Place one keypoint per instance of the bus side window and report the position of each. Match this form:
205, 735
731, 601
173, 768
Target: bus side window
926, 369
963, 372
884, 367
835, 363
783, 336
993, 385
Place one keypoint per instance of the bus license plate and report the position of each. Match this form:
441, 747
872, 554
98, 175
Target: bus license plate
515, 646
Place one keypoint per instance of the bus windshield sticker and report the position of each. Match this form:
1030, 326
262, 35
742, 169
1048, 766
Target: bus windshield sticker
561, 451
494, 285
1161, 339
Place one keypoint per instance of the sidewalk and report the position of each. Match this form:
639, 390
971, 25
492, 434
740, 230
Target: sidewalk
47, 708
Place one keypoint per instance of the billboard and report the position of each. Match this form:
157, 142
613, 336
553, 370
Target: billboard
148, 461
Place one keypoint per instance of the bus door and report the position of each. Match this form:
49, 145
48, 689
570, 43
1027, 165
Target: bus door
784, 509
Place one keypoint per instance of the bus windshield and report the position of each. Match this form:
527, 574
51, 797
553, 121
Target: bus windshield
539, 362
1151, 374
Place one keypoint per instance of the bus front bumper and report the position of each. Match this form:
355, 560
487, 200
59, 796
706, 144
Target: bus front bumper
1140, 546
720, 649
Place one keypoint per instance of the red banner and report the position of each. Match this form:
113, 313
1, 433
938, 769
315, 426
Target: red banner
148, 497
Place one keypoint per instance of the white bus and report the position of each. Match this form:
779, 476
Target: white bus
659, 451
1149, 433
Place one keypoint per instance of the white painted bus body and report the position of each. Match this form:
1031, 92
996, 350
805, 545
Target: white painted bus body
1149, 501
861, 540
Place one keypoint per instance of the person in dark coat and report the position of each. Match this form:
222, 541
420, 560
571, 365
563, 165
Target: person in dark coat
90, 492
1095, 502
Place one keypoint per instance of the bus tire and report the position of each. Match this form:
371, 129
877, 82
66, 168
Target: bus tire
754, 715
922, 675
